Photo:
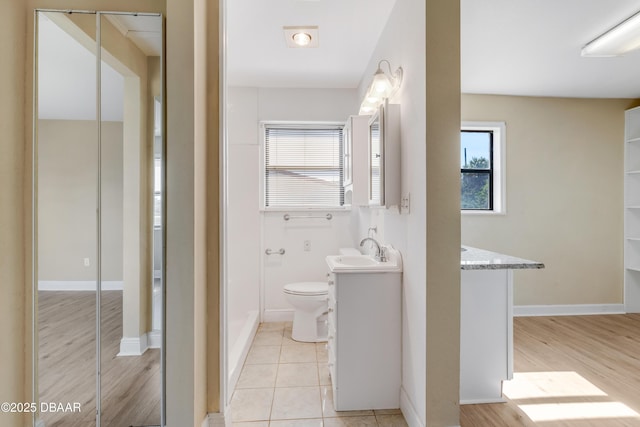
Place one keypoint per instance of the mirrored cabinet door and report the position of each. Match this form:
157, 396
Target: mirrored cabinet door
130, 356
384, 156
66, 150
98, 216
376, 189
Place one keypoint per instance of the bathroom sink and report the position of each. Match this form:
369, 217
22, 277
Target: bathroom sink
365, 263
356, 260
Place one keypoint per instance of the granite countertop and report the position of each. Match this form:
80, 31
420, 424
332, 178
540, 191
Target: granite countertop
480, 259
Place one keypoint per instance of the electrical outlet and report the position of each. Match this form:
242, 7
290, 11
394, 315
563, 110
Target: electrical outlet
87, 263
405, 204
307, 245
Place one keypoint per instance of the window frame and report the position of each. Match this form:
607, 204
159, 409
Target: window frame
299, 124
497, 185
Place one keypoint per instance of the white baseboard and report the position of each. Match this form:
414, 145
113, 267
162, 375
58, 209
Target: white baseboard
567, 310
239, 352
278, 315
216, 419
133, 346
78, 285
154, 339
481, 401
408, 410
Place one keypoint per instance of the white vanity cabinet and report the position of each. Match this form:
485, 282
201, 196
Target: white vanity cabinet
364, 343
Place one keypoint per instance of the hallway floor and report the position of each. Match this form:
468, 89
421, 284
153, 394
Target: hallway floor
67, 363
285, 383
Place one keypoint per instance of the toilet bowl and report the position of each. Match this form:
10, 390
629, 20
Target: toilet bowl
309, 299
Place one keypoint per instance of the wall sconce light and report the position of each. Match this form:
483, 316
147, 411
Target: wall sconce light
381, 88
619, 40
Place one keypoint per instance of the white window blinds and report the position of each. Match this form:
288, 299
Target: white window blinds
303, 166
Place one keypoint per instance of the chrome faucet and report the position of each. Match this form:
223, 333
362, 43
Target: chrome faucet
381, 253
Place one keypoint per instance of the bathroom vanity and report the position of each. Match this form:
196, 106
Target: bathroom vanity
365, 330
486, 323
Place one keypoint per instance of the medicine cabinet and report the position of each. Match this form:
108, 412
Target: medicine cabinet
384, 156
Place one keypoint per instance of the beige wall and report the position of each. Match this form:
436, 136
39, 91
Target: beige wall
14, 328
564, 196
67, 173
443, 219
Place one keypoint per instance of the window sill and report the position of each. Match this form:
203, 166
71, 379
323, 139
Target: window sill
482, 213
298, 209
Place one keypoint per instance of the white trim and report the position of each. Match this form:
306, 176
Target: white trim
278, 315
482, 401
509, 304
499, 165
133, 346
154, 339
567, 310
241, 348
216, 419
78, 285
408, 410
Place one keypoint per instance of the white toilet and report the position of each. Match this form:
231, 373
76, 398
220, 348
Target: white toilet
309, 300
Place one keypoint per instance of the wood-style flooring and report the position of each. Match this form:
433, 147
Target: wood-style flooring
573, 371
130, 385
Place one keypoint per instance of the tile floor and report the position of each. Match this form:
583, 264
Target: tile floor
285, 383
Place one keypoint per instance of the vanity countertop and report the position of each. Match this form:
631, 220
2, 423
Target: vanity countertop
480, 259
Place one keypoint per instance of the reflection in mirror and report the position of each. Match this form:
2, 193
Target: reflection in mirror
66, 152
375, 162
99, 218
131, 142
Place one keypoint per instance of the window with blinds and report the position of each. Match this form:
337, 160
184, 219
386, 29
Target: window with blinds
303, 166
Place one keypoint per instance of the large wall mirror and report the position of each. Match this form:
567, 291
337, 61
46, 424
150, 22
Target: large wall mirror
98, 219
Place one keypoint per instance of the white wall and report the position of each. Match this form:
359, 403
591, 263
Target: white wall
402, 44
243, 225
247, 226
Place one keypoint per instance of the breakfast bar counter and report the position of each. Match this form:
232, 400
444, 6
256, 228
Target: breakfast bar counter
480, 259
486, 322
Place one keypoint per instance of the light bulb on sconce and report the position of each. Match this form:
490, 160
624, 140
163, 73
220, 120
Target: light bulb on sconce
381, 84
381, 88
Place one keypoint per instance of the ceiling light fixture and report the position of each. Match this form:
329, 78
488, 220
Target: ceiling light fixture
382, 87
621, 39
301, 37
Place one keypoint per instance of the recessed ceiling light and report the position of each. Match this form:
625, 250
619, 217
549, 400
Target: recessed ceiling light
301, 36
302, 39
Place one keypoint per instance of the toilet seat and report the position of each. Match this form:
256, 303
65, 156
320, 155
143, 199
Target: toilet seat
307, 288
